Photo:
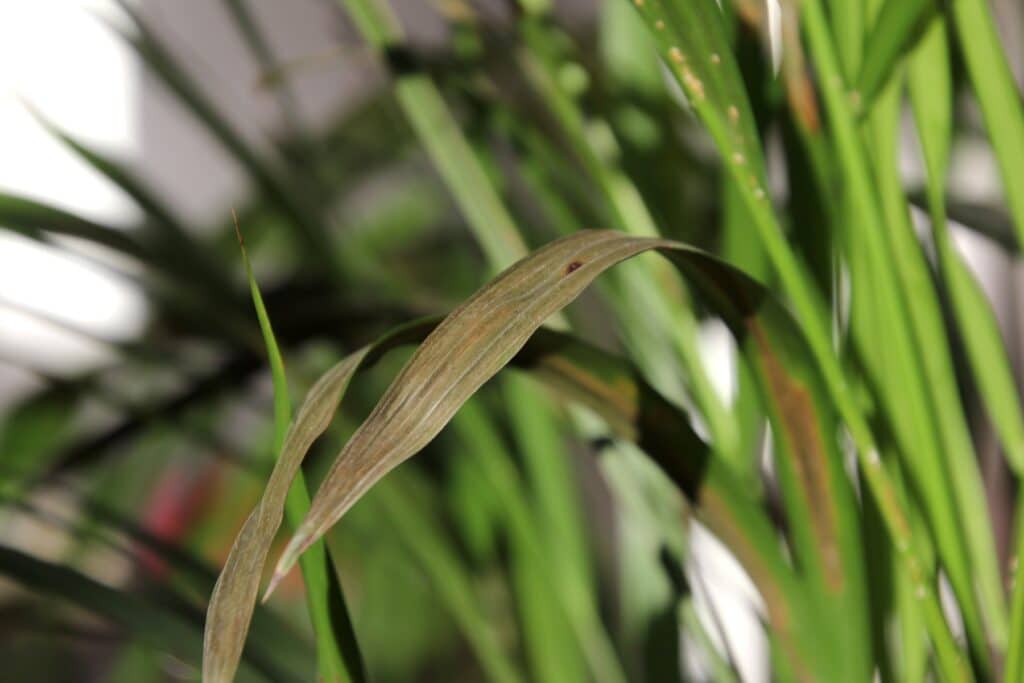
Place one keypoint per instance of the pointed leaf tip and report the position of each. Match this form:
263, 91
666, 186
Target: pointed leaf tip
238, 230
299, 543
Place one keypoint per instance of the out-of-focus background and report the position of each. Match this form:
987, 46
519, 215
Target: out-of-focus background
136, 407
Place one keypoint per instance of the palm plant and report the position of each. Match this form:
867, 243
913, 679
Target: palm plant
543, 534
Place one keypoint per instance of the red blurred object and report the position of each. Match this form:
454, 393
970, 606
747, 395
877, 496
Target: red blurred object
179, 500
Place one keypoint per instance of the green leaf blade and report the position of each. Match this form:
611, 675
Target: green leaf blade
230, 609
490, 328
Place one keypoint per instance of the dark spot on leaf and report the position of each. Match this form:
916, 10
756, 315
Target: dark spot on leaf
573, 266
401, 60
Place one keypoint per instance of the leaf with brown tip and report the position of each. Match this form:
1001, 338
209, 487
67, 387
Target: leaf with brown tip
472, 344
633, 410
480, 337
491, 329
234, 596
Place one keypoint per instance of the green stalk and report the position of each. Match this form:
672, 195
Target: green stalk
898, 25
439, 132
926, 315
848, 19
500, 241
549, 474
856, 172
543, 169
998, 96
930, 81
629, 213
751, 187
1015, 653
945, 412
526, 535
547, 628
330, 665
913, 655
809, 310
931, 91
448, 577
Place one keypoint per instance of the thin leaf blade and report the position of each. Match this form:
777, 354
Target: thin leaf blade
486, 332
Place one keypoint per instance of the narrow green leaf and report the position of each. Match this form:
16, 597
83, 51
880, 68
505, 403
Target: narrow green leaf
552, 494
1015, 652
285, 196
178, 251
935, 439
442, 566
931, 91
31, 433
998, 96
848, 20
161, 628
438, 130
282, 404
897, 29
487, 331
543, 591
692, 43
912, 657
887, 277
225, 634
541, 441
691, 39
586, 374
30, 218
669, 315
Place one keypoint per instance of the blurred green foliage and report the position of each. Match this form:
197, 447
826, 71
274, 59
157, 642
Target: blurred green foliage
529, 541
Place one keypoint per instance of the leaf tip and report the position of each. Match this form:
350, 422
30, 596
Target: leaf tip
279, 574
238, 229
298, 545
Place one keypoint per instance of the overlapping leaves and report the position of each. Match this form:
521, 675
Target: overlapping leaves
498, 325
